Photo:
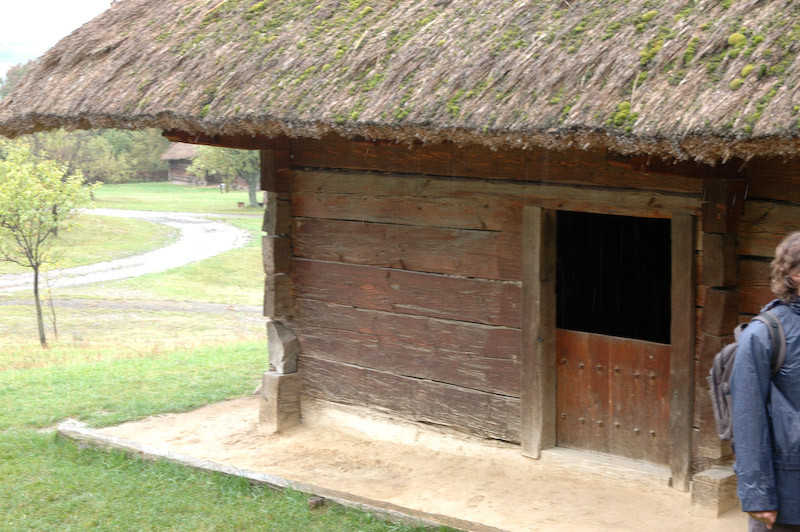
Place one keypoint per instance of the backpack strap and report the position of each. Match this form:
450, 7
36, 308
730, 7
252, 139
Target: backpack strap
777, 336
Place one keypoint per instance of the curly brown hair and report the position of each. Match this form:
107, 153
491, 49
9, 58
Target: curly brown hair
785, 264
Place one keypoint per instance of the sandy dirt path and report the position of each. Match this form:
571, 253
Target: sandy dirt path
492, 485
200, 238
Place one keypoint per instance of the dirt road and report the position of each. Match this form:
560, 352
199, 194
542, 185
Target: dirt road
200, 238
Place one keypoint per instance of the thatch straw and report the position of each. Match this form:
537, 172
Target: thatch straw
709, 80
178, 151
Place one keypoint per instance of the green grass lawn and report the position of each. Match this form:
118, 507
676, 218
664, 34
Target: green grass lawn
233, 277
169, 197
48, 483
100, 238
109, 366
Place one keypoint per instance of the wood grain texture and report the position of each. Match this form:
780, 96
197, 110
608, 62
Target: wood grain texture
763, 225
402, 292
276, 252
483, 414
722, 204
682, 342
774, 179
613, 395
571, 166
754, 279
462, 203
276, 174
473, 339
719, 260
467, 253
278, 296
277, 214
395, 356
720, 311
538, 388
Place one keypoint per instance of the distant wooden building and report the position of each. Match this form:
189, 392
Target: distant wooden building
179, 156
531, 222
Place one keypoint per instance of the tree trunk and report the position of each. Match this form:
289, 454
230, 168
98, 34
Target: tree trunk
39, 318
252, 193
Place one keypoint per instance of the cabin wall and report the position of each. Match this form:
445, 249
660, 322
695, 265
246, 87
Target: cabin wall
406, 267
177, 171
771, 211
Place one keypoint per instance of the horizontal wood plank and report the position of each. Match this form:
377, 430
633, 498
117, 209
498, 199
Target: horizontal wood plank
395, 356
571, 166
483, 414
754, 285
463, 203
774, 178
422, 294
763, 225
482, 254
430, 333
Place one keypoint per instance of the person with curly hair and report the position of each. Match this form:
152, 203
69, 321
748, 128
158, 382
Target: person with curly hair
766, 406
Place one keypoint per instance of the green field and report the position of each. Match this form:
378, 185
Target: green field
100, 238
169, 197
233, 277
116, 360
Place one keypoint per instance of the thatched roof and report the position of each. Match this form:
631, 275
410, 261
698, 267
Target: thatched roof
178, 151
706, 79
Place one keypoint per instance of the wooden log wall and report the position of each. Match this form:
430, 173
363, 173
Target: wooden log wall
736, 269
406, 266
772, 211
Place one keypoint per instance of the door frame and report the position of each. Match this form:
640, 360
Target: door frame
538, 384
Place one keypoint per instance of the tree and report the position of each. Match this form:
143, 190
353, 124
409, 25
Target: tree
102, 155
13, 75
37, 199
228, 164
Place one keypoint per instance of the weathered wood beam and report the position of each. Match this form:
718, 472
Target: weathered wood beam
721, 311
276, 253
570, 166
723, 201
280, 402
394, 330
682, 342
763, 225
538, 387
276, 171
283, 346
463, 203
467, 253
278, 214
719, 260
484, 414
403, 292
241, 142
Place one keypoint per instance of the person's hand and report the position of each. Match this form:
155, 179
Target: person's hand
768, 517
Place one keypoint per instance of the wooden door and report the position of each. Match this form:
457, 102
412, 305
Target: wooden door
613, 395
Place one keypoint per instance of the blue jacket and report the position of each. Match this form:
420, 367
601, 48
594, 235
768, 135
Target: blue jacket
766, 419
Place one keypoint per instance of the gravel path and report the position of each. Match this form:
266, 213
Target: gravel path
200, 238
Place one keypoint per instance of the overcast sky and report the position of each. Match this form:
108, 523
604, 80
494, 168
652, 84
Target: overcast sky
28, 28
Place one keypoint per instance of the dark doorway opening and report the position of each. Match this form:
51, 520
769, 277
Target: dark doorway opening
613, 275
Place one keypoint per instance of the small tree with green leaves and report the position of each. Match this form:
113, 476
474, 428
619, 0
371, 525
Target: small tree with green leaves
228, 164
37, 199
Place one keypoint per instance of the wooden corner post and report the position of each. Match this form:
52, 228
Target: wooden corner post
280, 389
682, 340
538, 383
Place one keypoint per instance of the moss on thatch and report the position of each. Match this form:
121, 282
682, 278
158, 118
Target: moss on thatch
482, 71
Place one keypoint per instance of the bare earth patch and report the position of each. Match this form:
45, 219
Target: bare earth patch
431, 471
